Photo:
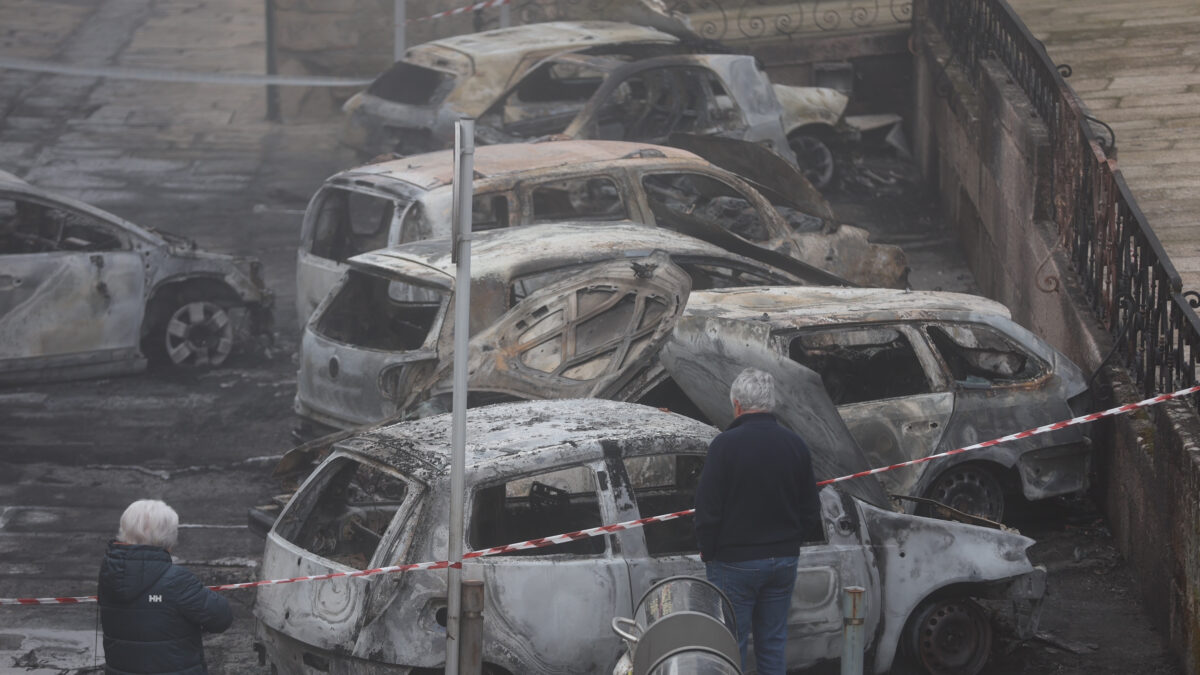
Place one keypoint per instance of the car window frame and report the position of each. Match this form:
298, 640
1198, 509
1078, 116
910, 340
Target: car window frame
118, 232
604, 505
936, 374
775, 224
1047, 369
389, 546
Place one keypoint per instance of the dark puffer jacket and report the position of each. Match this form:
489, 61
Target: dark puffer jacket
153, 613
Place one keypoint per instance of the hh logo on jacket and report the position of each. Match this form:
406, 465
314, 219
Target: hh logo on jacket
155, 598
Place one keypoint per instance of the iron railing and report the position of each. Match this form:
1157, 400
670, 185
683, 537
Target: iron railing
1123, 269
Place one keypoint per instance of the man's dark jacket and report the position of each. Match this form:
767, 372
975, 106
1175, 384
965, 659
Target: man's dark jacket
154, 612
757, 497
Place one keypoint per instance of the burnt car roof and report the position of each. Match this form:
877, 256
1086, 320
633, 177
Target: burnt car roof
421, 448
795, 307
511, 252
436, 169
559, 35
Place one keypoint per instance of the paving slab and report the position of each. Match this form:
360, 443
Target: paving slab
1158, 117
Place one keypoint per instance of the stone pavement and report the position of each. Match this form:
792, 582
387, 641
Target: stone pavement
1136, 65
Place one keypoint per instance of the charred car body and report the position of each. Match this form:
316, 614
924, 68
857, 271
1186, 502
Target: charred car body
775, 216
412, 107
912, 373
540, 468
84, 293
557, 310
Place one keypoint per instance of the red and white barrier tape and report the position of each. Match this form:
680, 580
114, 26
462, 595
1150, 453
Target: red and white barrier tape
487, 4
630, 524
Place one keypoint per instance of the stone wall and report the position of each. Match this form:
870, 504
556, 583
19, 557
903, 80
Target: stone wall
988, 154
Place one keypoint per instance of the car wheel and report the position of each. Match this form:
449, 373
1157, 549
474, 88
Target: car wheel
196, 334
970, 488
949, 635
814, 157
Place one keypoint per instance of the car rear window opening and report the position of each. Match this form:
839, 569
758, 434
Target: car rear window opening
375, 313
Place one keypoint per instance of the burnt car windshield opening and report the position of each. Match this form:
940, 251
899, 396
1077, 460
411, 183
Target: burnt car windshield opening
666, 484
980, 356
349, 223
861, 364
375, 313
683, 196
32, 227
343, 514
545, 504
411, 84
583, 198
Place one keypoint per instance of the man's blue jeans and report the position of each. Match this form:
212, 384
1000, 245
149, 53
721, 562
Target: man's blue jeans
761, 593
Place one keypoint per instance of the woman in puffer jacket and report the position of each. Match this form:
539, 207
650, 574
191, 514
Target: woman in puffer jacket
152, 610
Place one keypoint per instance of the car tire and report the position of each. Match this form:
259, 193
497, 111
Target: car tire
948, 635
814, 158
189, 333
971, 488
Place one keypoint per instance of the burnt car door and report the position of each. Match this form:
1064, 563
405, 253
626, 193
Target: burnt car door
888, 390
351, 514
1002, 386
579, 332
72, 288
542, 600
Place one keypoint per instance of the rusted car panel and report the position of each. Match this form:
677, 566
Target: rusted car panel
540, 468
559, 309
775, 215
913, 374
84, 293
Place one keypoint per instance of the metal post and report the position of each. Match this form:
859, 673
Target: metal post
470, 651
505, 15
854, 611
464, 173
273, 112
399, 28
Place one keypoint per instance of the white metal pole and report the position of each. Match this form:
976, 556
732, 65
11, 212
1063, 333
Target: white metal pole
399, 28
464, 172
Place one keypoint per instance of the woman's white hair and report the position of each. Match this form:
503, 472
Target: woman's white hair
753, 389
149, 522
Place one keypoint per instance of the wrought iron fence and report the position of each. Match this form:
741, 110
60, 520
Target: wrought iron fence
1124, 271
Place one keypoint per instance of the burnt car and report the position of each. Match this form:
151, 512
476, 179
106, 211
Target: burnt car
411, 108
541, 468
647, 100
559, 310
775, 215
84, 293
913, 374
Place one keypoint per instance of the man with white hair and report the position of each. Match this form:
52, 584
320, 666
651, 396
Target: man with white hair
152, 610
756, 503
